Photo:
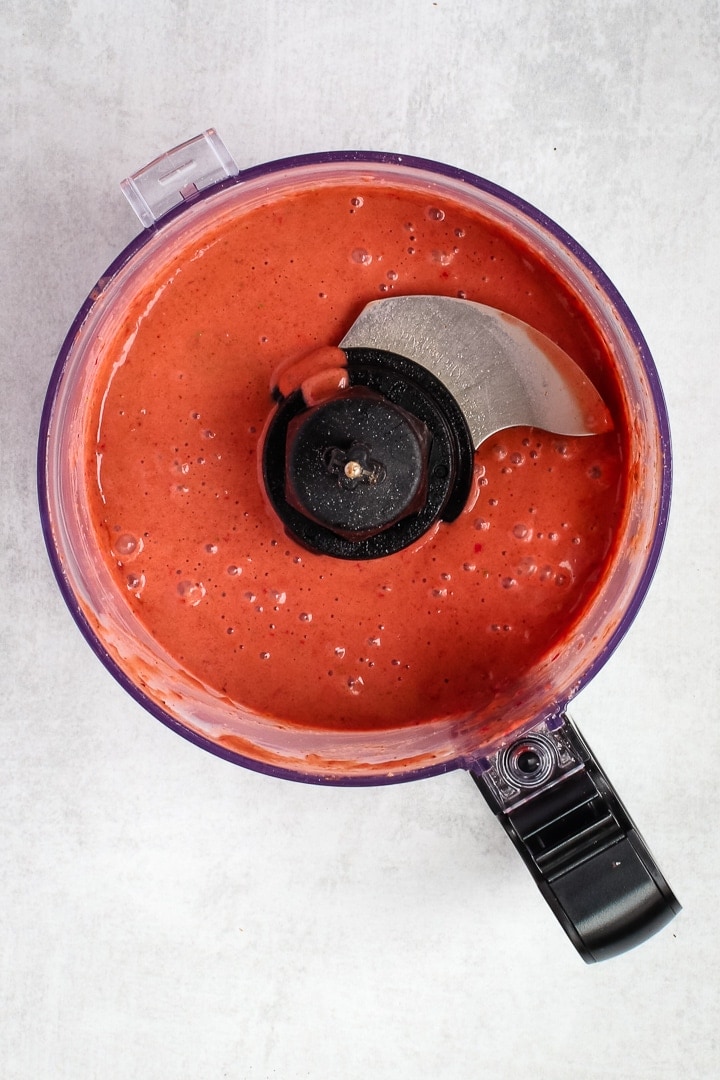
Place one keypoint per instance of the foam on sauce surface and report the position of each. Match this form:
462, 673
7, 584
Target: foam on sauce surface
180, 402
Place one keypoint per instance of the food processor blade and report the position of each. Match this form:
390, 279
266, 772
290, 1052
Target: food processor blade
502, 372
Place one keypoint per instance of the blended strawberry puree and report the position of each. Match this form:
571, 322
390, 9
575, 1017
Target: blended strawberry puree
180, 403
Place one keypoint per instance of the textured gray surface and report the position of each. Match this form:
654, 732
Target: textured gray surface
165, 914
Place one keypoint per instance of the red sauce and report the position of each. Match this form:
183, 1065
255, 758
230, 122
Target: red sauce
180, 402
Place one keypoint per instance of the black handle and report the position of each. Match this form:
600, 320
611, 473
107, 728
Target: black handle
577, 839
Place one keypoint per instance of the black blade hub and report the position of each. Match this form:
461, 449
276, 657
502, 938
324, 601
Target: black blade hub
368, 472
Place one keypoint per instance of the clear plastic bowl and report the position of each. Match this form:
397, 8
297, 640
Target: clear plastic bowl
356, 757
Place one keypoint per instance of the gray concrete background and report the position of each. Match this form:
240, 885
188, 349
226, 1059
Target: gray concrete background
164, 914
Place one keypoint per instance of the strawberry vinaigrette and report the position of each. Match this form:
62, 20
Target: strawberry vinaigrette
180, 399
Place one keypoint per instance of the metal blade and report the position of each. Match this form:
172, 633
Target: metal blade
501, 371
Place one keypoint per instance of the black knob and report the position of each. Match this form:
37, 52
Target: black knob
366, 473
357, 464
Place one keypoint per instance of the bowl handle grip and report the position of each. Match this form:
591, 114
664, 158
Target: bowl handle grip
577, 839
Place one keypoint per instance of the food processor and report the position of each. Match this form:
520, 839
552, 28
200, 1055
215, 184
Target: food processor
366, 451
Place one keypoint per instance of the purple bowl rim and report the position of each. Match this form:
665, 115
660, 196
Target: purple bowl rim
382, 158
